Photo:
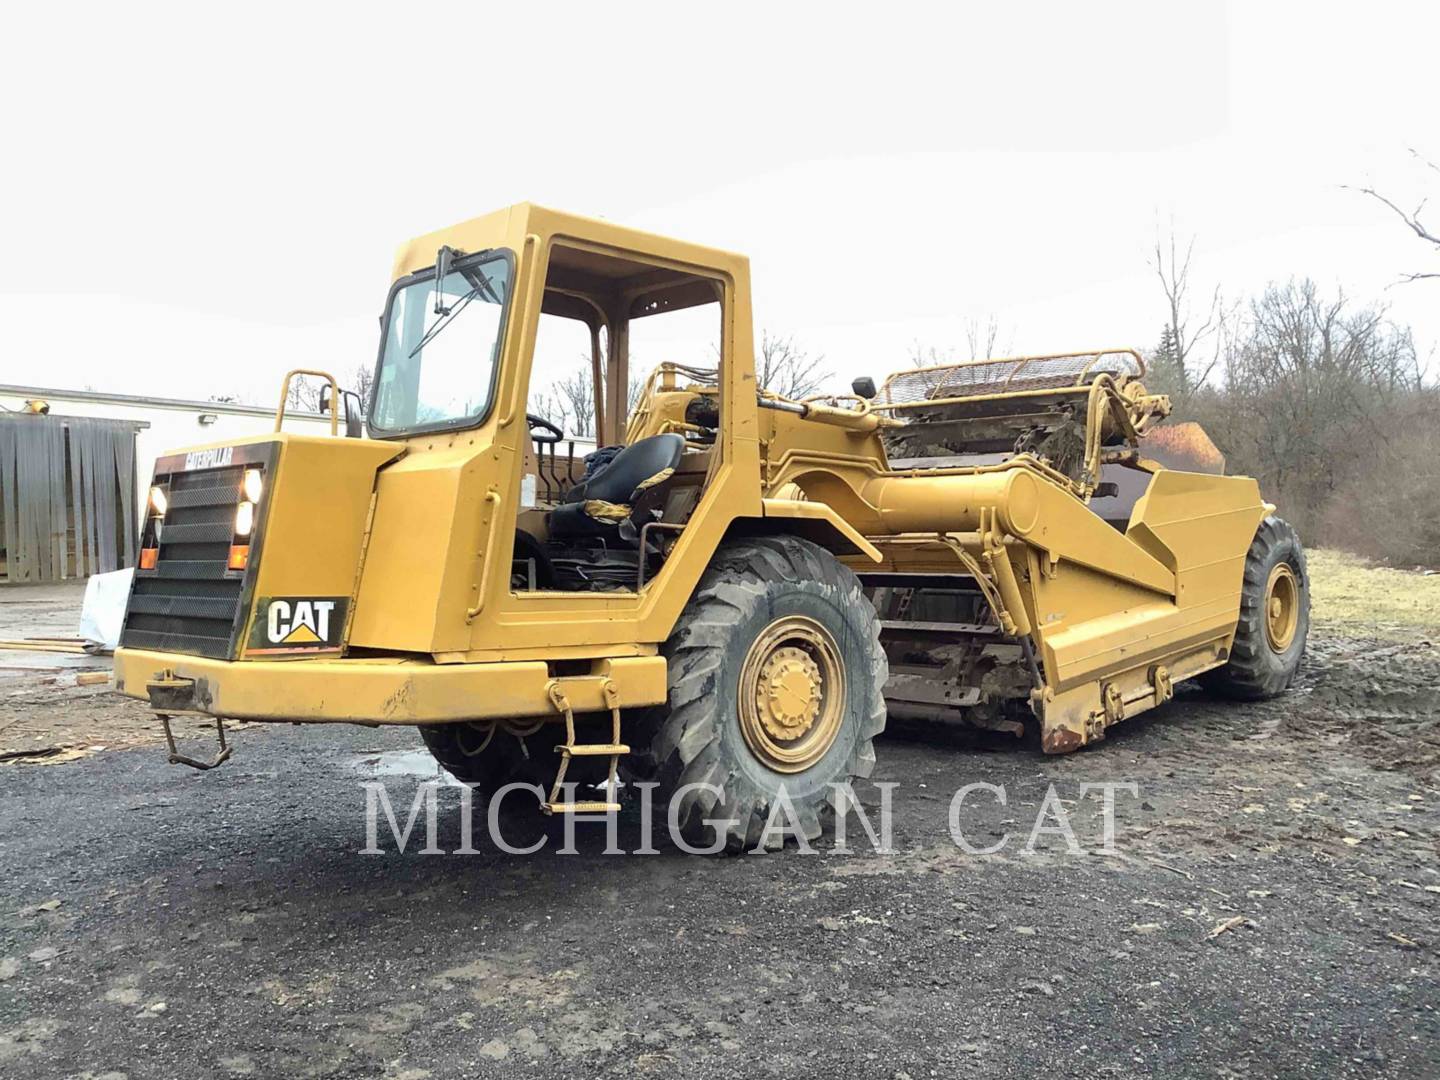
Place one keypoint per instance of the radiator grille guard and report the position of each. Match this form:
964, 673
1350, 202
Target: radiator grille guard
983, 378
191, 603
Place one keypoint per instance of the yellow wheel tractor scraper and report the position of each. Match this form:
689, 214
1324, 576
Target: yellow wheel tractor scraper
734, 593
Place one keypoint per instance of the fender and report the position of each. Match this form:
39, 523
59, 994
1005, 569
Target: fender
817, 521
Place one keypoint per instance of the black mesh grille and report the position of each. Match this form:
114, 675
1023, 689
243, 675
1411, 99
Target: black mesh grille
189, 603
978, 378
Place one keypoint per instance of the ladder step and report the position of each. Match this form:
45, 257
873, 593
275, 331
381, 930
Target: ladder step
593, 749
581, 807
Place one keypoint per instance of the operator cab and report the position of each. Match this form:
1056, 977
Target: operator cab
604, 519
612, 466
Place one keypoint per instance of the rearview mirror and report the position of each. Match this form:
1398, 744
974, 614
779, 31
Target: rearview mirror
864, 387
354, 415
325, 402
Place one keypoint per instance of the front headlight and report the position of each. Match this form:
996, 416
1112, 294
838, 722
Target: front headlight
244, 519
253, 485
158, 502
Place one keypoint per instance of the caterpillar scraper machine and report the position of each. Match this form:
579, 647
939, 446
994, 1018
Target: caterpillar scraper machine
734, 601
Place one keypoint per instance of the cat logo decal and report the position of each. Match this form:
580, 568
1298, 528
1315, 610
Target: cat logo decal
289, 624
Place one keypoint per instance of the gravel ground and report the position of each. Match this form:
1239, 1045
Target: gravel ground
156, 922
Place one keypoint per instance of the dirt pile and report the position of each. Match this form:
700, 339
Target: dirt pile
1374, 696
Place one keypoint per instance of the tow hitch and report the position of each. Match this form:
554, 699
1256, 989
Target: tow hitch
171, 695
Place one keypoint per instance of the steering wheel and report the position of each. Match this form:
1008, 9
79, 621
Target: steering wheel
553, 430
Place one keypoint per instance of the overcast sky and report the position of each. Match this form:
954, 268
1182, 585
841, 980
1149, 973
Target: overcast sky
198, 198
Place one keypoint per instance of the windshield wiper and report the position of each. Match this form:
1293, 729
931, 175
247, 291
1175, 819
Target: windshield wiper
482, 284
442, 322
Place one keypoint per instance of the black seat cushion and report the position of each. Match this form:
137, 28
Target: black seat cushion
617, 480
615, 483
570, 519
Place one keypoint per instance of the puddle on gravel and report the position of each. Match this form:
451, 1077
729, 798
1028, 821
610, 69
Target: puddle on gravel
416, 763
420, 765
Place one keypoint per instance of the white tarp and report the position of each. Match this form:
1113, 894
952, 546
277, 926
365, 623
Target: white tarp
104, 609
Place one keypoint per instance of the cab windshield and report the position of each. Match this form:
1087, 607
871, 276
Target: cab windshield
441, 348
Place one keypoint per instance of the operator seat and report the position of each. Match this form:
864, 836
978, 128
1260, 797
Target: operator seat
624, 490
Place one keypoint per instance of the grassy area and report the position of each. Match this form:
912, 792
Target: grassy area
1349, 596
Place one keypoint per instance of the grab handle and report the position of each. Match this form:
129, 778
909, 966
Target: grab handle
493, 498
334, 397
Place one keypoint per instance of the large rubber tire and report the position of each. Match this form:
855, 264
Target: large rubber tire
505, 760
750, 585
1257, 669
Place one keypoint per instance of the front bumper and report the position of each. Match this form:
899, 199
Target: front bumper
379, 691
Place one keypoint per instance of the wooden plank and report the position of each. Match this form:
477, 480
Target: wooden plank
106, 437
81, 508
104, 519
39, 646
77, 506
92, 509
9, 496
54, 433
105, 448
125, 478
29, 514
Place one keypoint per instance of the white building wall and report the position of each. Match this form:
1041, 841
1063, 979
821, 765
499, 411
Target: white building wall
172, 424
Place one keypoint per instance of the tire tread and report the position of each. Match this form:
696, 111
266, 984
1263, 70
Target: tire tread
1253, 671
685, 741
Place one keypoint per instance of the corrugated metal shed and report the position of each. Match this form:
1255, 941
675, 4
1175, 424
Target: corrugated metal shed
67, 496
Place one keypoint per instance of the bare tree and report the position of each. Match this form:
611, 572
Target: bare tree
551, 405
984, 339
787, 369
1178, 365
1412, 219
304, 393
576, 393
306, 390
1312, 387
362, 379
633, 391
570, 401
923, 356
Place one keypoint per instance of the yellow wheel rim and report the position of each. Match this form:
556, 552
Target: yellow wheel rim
1282, 607
792, 694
